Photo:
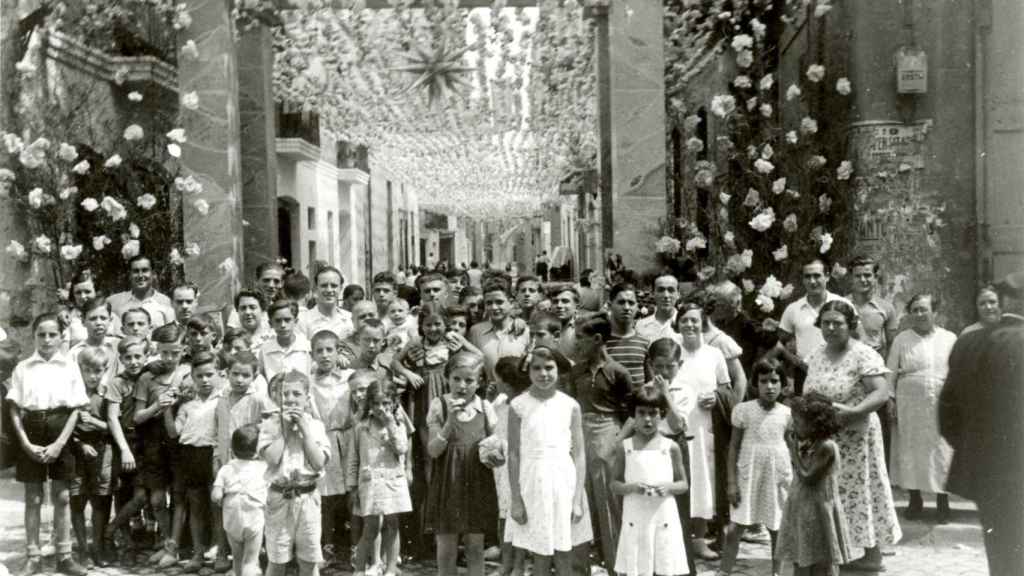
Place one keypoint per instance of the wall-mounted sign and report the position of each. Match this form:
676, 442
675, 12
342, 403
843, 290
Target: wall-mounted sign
911, 70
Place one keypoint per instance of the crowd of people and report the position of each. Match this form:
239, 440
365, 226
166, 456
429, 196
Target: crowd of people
467, 415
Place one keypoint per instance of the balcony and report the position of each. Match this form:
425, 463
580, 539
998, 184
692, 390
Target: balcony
291, 123
353, 156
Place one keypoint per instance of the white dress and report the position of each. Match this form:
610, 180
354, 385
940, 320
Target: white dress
650, 541
547, 477
701, 373
763, 469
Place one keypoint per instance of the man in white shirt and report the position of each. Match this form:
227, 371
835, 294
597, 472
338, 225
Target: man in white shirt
142, 294
326, 315
661, 324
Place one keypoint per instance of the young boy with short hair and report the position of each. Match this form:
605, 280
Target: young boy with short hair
289, 349
96, 318
136, 322
240, 490
362, 348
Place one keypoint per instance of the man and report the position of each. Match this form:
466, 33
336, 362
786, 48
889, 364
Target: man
185, 297
624, 345
728, 316
528, 295
270, 278
455, 283
326, 315
564, 303
541, 266
474, 275
590, 298
433, 288
662, 323
142, 294
797, 332
383, 291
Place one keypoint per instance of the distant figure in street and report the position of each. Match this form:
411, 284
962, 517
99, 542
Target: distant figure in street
474, 274
590, 298
540, 265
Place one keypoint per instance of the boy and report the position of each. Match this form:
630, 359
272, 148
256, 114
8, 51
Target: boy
195, 432
241, 490
96, 318
120, 411
201, 335
91, 485
350, 295
136, 322
399, 325
361, 350
288, 350
528, 296
327, 391
295, 447
239, 406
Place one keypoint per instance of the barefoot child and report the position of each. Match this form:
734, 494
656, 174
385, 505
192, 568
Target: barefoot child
91, 484
240, 489
45, 395
547, 469
461, 497
649, 473
759, 466
814, 534
376, 474
294, 446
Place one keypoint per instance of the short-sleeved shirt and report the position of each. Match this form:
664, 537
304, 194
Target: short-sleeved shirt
311, 321
590, 299
244, 478
292, 469
151, 386
41, 384
158, 305
798, 319
496, 344
436, 414
110, 348
605, 390
196, 422
276, 359
876, 316
121, 391
629, 352
228, 417
652, 329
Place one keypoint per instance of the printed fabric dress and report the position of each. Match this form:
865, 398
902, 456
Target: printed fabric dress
547, 477
863, 480
763, 469
435, 385
814, 528
651, 535
383, 488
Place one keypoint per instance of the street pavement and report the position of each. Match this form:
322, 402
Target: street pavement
927, 549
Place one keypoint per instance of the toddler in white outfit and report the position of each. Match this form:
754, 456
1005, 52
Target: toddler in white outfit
241, 491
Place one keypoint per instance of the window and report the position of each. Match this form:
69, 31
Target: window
312, 253
311, 218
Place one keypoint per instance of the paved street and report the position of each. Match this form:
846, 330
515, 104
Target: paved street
955, 549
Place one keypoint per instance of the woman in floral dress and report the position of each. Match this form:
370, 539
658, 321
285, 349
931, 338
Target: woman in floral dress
852, 375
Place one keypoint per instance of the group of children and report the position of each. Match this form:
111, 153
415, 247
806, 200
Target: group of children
280, 443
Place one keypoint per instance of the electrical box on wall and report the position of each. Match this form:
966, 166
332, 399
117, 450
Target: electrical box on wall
911, 70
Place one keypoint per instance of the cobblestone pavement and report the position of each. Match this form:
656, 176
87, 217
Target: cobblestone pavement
927, 549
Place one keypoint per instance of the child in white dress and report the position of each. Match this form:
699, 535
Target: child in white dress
241, 491
649, 473
547, 469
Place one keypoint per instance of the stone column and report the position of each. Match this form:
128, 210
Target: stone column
631, 113
259, 156
212, 153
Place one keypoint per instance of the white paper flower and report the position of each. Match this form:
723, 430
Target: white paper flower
766, 110
188, 184
781, 253
81, 168
190, 100
174, 150
113, 162
90, 204
808, 125
227, 266
724, 198
758, 28
779, 185
792, 193
722, 105
822, 8
667, 245
68, 192
32, 157
766, 83
815, 72
704, 178
816, 162
753, 198
202, 206
133, 230
789, 224
190, 50
114, 209
826, 243
696, 243
706, 273
767, 152
763, 166
71, 252
792, 92
133, 132
744, 59
787, 291
763, 220
17, 251
742, 81
771, 288
691, 122
100, 242
843, 86
182, 19
748, 285
42, 244
13, 143
192, 249
177, 135
845, 170
742, 42
695, 145
751, 103
791, 137
175, 257
67, 152
146, 201
7, 175
766, 304
134, 96
824, 203
36, 198
130, 249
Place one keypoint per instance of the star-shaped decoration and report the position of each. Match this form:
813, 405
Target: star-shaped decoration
439, 70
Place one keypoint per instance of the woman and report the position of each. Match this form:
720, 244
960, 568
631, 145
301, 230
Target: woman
918, 361
703, 374
989, 307
852, 375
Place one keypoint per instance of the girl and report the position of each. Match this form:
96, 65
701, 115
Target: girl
759, 466
814, 533
547, 468
377, 468
45, 395
511, 383
461, 498
423, 365
648, 471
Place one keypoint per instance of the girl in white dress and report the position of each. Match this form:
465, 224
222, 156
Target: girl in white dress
547, 469
648, 472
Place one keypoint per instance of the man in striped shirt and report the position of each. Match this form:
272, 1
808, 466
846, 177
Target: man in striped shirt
625, 346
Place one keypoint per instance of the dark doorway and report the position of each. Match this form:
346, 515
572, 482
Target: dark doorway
284, 233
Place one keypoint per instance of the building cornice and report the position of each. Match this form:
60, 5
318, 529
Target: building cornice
99, 64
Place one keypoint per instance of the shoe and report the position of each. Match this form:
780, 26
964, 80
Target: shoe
155, 557
758, 535
702, 551
212, 553
85, 560
222, 565
195, 564
99, 559
493, 553
71, 568
863, 565
33, 565
169, 557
